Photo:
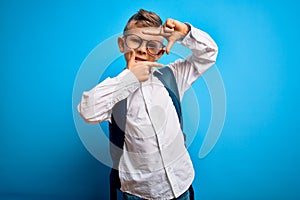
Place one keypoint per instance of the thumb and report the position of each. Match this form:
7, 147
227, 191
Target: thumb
169, 46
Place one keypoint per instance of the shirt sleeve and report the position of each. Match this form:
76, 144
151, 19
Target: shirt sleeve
96, 105
204, 54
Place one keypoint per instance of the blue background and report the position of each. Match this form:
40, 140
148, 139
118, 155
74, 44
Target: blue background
43, 44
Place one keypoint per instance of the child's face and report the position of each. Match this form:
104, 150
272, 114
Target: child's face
146, 47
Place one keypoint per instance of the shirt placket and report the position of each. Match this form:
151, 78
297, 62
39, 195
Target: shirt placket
147, 88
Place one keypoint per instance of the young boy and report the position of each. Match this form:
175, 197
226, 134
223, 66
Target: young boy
154, 162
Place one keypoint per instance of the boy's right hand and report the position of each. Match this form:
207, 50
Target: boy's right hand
141, 69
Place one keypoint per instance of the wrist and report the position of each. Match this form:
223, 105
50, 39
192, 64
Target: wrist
187, 28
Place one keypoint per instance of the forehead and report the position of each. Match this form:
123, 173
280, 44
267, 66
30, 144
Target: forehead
139, 32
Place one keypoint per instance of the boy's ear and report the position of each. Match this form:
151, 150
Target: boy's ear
121, 44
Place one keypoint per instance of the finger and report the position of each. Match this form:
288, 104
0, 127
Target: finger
169, 46
131, 60
152, 64
149, 31
170, 23
168, 30
158, 32
132, 56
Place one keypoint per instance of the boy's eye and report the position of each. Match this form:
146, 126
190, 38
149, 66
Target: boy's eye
133, 41
136, 40
155, 45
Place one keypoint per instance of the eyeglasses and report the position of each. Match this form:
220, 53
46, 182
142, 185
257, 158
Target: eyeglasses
153, 47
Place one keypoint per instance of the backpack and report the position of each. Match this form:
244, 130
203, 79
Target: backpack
117, 127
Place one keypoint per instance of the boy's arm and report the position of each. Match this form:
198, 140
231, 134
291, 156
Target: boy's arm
204, 51
204, 54
96, 105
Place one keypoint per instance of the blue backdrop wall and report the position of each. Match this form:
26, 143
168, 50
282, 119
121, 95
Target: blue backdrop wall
43, 44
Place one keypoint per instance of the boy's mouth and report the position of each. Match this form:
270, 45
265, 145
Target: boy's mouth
139, 59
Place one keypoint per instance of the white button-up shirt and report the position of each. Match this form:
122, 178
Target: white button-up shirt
155, 163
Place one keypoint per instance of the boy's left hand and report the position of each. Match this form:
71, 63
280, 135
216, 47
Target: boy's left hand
172, 30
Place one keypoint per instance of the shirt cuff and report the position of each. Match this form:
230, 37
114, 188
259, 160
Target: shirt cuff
185, 40
127, 76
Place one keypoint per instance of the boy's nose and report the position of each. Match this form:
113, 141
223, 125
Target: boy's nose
143, 48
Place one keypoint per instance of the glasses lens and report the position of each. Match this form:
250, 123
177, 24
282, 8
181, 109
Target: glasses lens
154, 47
133, 41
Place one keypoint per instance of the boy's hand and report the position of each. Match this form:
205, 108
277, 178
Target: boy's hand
172, 30
141, 69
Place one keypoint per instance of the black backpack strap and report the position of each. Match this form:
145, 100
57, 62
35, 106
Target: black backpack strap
114, 184
192, 194
168, 79
117, 138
